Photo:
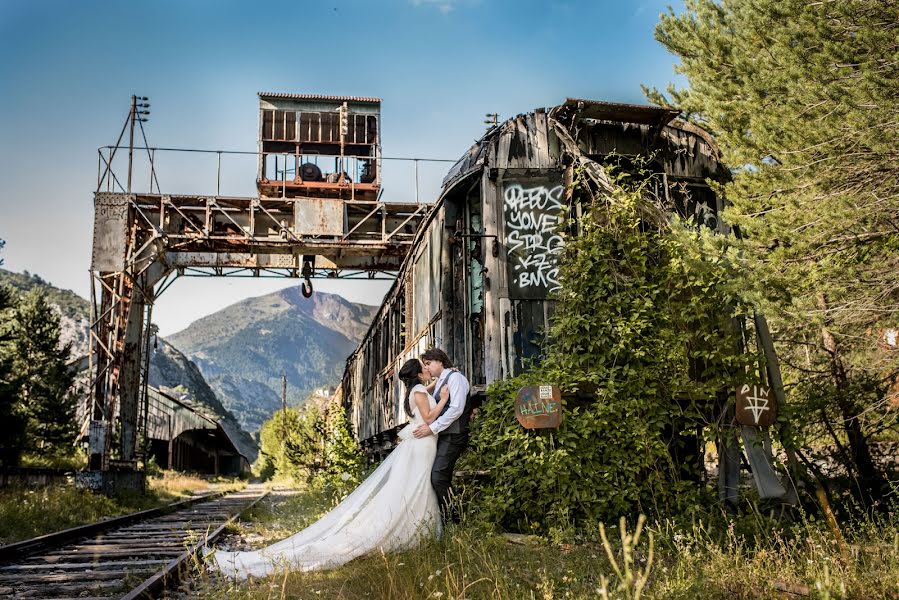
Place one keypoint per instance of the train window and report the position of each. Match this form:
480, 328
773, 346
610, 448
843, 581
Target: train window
694, 201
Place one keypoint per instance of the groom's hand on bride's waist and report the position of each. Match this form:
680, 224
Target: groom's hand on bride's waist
422, 431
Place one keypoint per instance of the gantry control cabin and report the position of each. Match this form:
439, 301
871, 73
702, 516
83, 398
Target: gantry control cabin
319, 146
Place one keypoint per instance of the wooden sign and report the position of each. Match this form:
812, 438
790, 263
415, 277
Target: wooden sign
756, 405
539, 407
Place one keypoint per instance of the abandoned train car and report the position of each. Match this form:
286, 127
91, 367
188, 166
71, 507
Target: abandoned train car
479, 278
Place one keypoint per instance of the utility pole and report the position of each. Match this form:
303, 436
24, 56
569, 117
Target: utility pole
492, 119
284, 401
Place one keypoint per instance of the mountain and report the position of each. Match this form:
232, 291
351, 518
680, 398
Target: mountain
170, 370
74, 311
243, 349
173, 373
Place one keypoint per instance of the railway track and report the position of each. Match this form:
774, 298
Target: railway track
130, 557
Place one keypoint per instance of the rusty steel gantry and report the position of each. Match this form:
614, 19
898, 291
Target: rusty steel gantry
318, 213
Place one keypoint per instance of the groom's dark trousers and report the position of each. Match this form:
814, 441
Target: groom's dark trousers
449, 447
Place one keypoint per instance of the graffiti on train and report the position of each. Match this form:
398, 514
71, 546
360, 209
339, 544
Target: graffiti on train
532, 216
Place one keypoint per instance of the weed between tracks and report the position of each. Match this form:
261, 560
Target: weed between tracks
751, 555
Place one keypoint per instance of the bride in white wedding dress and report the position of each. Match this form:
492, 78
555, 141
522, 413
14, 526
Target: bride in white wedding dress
391, 510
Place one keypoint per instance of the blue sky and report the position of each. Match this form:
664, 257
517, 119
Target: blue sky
67, 70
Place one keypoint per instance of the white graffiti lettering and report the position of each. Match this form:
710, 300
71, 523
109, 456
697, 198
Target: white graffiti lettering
532, 239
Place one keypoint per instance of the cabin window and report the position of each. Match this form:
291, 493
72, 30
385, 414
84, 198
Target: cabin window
279, 125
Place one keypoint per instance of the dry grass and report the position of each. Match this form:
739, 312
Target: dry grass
175, 484
27, 512
745, 556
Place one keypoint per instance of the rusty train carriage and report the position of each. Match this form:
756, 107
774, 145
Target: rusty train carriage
482, 267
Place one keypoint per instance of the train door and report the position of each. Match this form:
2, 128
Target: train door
466, 277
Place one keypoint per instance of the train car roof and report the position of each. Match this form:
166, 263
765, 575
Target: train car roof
572, 110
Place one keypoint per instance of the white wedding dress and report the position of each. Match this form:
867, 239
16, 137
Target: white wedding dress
391, 510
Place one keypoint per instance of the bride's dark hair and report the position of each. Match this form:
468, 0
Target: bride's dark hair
409, 376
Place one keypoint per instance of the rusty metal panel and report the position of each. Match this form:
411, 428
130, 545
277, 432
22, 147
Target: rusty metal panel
167, 418
110, 232
279, 261
318, 216
539, 407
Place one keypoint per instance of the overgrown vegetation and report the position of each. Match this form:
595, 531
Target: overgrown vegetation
45, 391
643, 341
11, 414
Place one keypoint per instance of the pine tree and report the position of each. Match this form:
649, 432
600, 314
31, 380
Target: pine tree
10, 413
803, 98
45, 379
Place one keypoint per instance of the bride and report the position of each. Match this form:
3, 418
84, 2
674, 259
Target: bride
390, 510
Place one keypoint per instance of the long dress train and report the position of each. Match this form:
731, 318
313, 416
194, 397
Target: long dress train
391, 510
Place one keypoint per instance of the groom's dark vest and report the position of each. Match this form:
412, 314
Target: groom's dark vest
460, 425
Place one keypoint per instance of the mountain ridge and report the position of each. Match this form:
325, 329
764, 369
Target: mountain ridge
243, 349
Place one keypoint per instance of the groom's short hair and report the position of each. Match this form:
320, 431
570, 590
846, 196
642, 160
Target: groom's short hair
438, 355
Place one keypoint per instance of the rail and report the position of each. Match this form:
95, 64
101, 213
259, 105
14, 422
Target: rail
133, 556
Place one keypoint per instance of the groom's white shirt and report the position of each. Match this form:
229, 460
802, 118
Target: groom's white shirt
458, 388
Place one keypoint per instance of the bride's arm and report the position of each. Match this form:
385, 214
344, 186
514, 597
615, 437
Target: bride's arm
427, 413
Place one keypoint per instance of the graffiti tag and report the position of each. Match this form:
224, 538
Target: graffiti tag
532, 238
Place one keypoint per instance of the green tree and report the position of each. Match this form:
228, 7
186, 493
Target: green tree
804, 99
312, 446
343, 459
291, 444
10, 412
45, 379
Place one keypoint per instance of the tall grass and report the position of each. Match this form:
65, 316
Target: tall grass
748, 555
31, 511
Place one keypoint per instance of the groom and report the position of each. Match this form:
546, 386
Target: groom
451, 426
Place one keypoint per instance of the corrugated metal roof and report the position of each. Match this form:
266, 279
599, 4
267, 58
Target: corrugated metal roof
366, 99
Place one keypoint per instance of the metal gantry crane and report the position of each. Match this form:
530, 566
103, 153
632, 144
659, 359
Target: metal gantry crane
318, 213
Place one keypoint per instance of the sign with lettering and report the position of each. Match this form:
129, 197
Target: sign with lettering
532, 212
756, 405
539, 407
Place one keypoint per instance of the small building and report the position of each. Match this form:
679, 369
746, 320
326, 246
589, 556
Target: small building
319, 146
182, 438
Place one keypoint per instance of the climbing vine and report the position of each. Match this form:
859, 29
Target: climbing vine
645, 337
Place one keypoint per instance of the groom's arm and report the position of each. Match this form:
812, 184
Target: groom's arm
458, 389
